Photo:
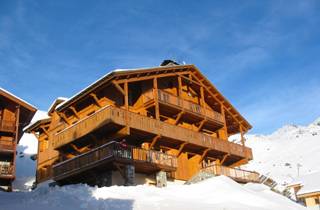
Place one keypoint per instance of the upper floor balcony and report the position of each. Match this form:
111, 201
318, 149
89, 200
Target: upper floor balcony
191, 108
148, 125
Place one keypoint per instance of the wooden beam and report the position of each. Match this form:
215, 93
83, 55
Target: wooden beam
116, 84
242, 135
64, 117
178, 117
156, 97
154, 141
151, 76
202, 100
44, 130
179, 86
181, 148
191, 81
240, 162
126, 95
204, 154
217, 99
74, 112
96, 100
80, 150
224, 158
201, 125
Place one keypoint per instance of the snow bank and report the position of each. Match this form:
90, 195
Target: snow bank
215, 194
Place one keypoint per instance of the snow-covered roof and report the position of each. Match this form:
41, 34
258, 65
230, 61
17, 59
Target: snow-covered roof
18, 99
38, 117
310, 183
56, 103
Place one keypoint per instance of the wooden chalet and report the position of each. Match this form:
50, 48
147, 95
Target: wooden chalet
14, 115
170, 120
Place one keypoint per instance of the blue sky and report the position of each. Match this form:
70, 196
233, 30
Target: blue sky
262, 55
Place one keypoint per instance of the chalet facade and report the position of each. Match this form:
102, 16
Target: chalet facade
14, 115
141, 126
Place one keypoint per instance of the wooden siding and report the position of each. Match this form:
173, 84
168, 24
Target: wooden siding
8, 126
7, 145
146, 124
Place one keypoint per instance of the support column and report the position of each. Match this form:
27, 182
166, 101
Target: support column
242, 135
179, 86
202, 101
129, 175
126, 96
156, 98
161, 178
223, 133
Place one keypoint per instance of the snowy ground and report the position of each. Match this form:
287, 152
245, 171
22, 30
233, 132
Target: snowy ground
219, 193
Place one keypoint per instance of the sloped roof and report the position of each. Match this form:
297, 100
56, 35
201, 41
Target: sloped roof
157, 70
17, 100
309, 183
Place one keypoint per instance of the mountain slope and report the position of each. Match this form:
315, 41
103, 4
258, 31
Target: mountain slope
287, 153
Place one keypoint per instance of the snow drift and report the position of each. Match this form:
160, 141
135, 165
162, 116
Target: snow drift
215, 193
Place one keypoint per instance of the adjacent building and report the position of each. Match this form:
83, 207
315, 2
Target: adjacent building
15, 113
138, 126
307, 190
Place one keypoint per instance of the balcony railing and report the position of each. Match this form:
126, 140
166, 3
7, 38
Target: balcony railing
6, 169
7, 125
237, 174
7, 145
143, 123
113, 151
167, 98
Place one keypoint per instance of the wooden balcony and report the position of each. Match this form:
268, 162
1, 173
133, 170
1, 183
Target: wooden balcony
6, 170
149, 125
7, 146
239, 175
7, 126
113, 152
192, 108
